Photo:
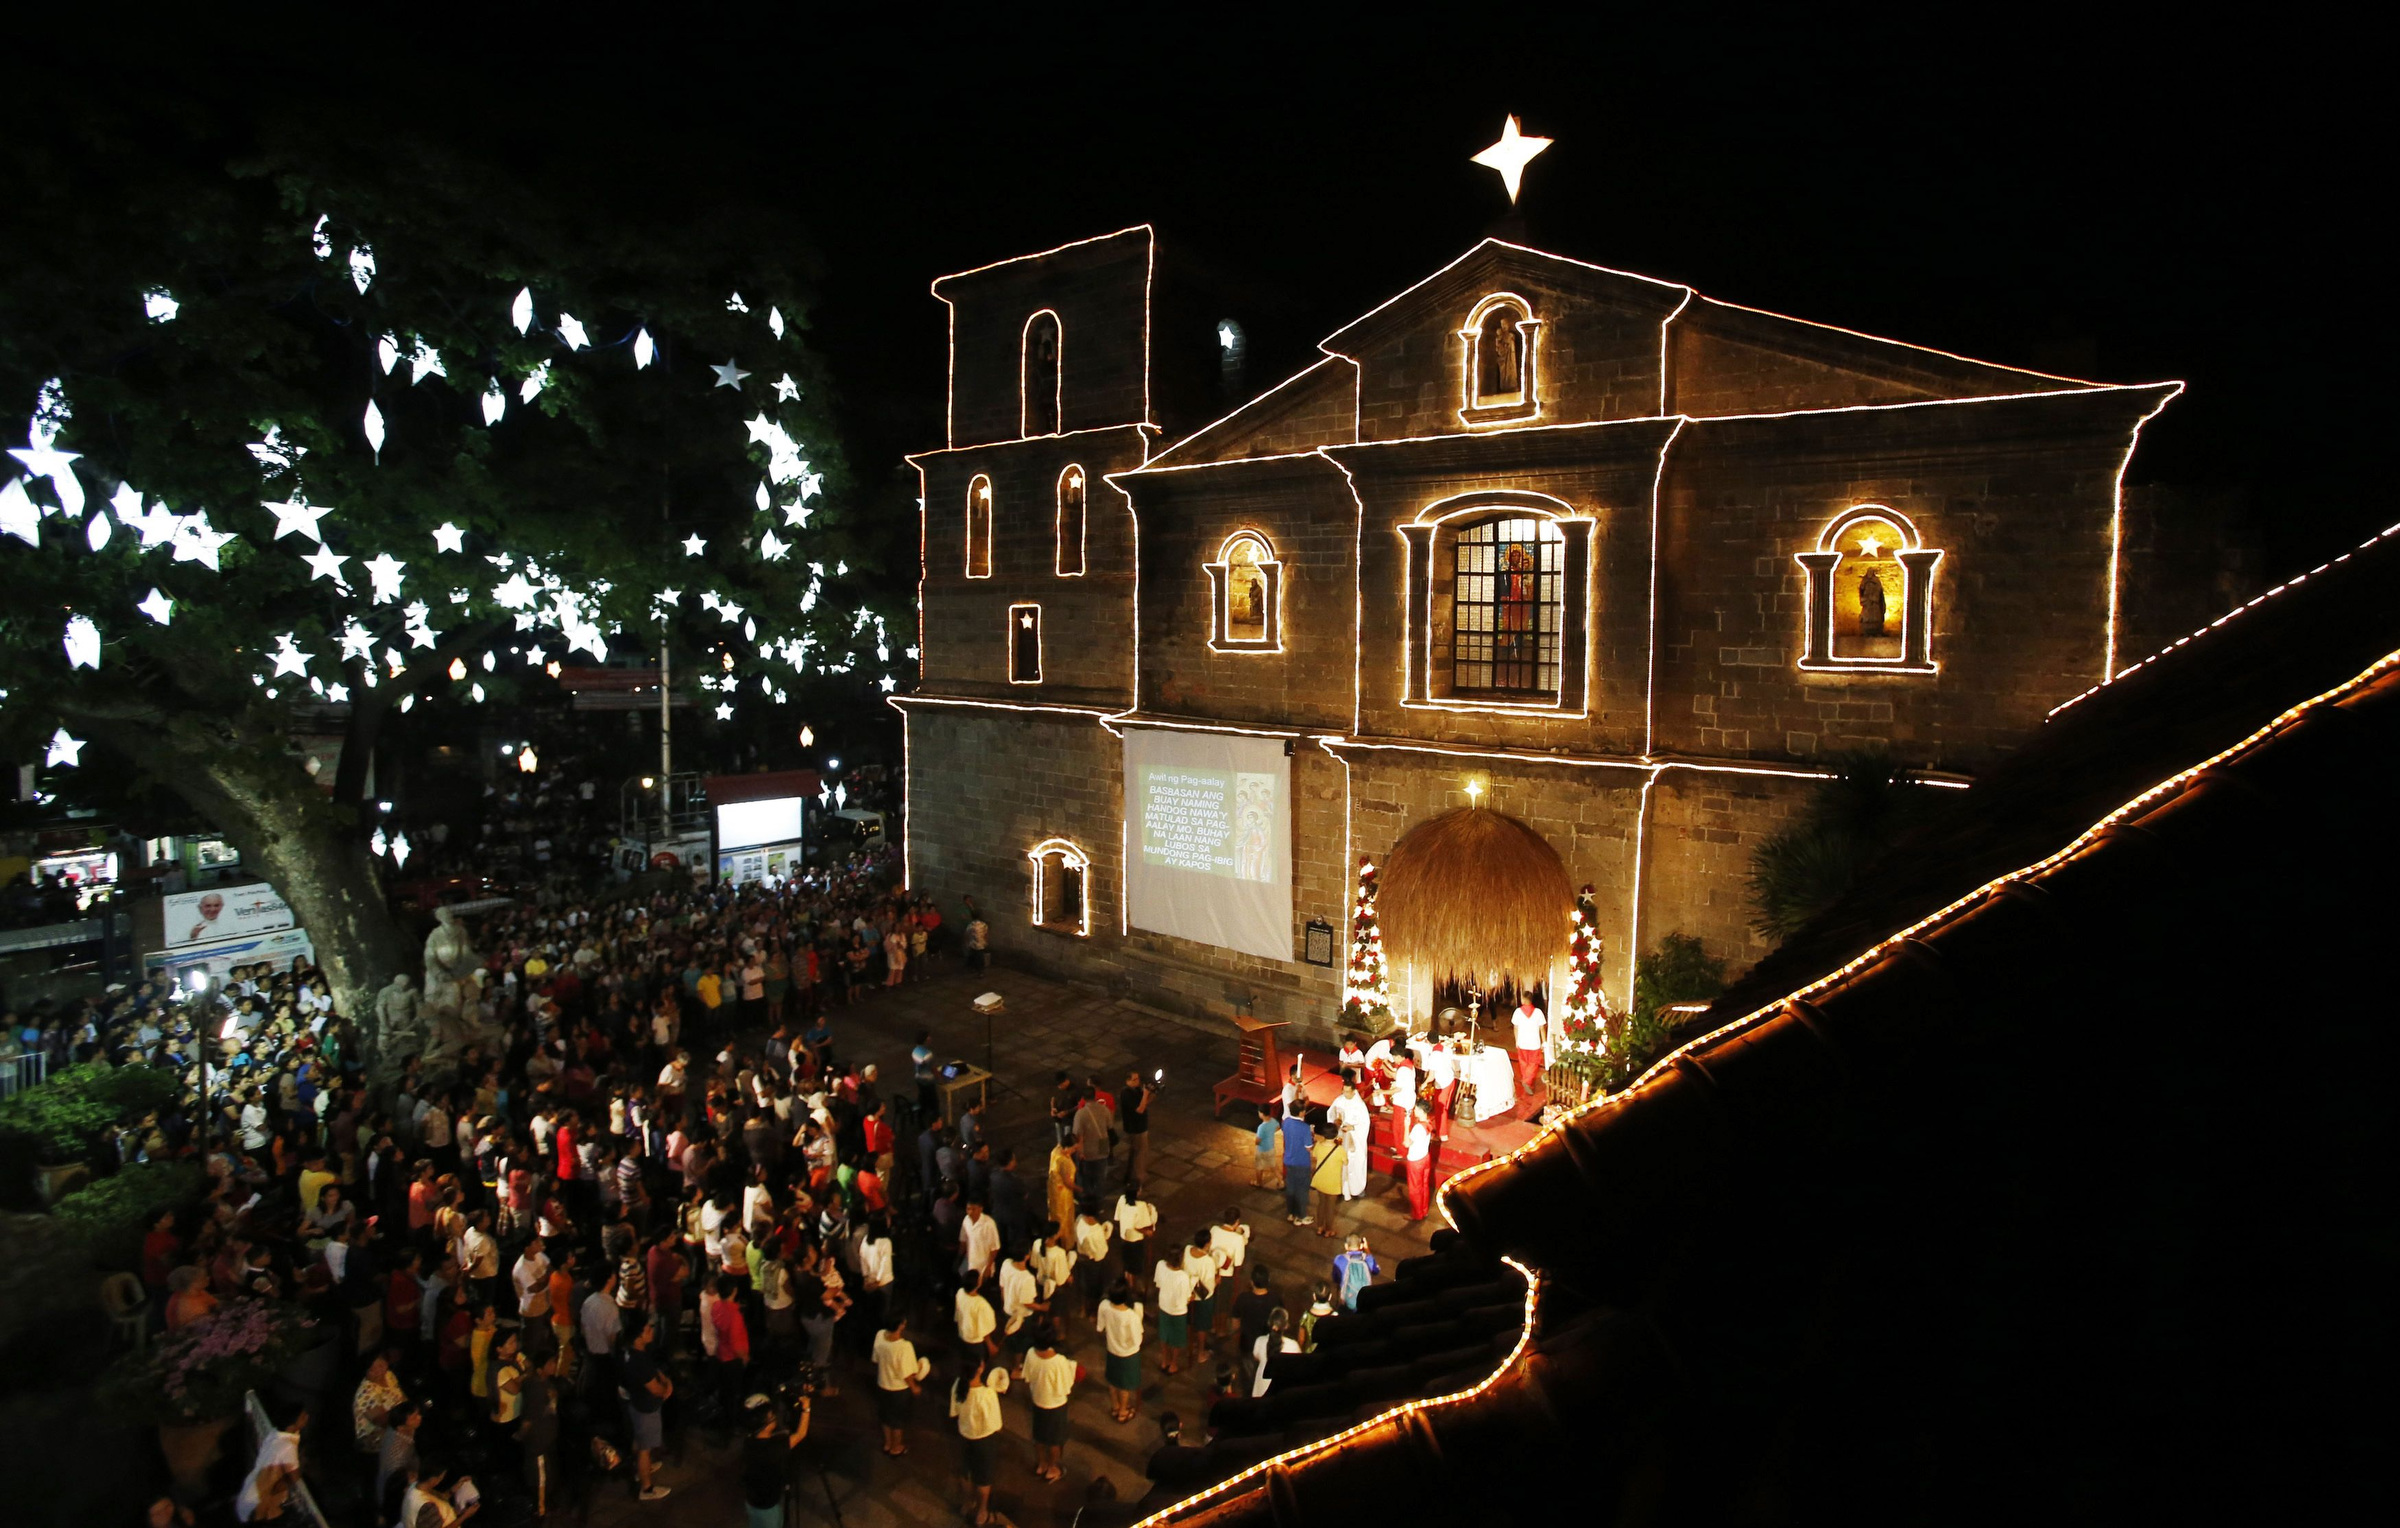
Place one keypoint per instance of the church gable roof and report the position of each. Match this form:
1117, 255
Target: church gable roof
1443, 298
1317, 406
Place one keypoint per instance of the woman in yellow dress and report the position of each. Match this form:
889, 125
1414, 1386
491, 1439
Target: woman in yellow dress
1062, 1182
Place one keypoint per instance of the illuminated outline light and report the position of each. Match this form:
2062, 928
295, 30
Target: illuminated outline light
1083, 532
1070, 856
1910, 541
979, 494
2295, 581
1516, 1355
1058, 378
2116, 534
1220, 603
1557, 512
1875, 952
1507, 409
1149, 284
1014, 626
1658, 478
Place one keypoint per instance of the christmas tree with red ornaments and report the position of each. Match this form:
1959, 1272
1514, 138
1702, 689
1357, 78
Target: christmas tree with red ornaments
1583, 1034
1366, 994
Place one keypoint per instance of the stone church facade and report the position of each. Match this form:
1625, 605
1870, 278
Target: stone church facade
1627, 562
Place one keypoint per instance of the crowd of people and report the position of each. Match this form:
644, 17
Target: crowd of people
659, 1188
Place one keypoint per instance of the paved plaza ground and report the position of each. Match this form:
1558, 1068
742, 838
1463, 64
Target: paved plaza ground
1198, 1166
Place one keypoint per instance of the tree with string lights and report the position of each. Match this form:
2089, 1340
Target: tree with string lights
351, 438
1585, 1019
1366, 987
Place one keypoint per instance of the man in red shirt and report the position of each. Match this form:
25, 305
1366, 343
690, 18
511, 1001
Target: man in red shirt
880, 1139
665, 1267
403, 1301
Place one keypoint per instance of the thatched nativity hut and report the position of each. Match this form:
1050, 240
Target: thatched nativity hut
1473, 895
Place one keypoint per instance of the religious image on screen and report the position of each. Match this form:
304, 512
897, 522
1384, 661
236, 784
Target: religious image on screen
1210, 828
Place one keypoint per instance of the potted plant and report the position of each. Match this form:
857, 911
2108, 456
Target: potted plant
191, 1385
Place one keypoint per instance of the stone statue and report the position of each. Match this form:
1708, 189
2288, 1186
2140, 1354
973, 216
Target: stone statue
1870, 604
396, 1016
453, 986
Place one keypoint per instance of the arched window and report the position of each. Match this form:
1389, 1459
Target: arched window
1070, 522
1508, 578
1245, 593
1060, 903
1870, 594
1499, 603
979, 528
1039, 375
1502, 353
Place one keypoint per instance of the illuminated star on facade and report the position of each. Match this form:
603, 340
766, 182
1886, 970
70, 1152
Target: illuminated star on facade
1026, 620
1510, 156
729, 375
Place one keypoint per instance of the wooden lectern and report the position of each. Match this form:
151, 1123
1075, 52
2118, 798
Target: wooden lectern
1258, 1077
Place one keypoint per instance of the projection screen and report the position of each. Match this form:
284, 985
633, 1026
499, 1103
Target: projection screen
1208, 839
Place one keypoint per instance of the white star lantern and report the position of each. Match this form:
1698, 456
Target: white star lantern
196, 542
42, 461
694, 545
374, 429
772, 547
423, 362
294, 515
787, 390
385, 571
157, 607
520, 312
323, 564
1510, 155
495, 403
570, 329
64, 750
645, 350
82, 642
387, 353
728, 375
725, 711
797, 513
96, 534
288, 657
449, 538
514, 593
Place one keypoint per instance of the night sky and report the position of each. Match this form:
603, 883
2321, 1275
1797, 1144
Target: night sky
2125, 207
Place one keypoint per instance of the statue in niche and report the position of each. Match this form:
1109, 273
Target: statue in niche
1500, 369
1870, 604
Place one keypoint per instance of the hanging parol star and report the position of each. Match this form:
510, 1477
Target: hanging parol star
728, 375
449, 538
64, 750
645, 349
195, 541
694, 545
520, 312
42, 461
323, 564
292, 515
289, 659
570, 329
1510, 156
725, 711
158, 608
385, 571
96, 534
797, 513
787, 390
82, 643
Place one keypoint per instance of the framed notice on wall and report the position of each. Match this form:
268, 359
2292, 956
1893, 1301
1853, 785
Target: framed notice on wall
1318, 948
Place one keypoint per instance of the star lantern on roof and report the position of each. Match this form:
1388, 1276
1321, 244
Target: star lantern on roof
1510, 155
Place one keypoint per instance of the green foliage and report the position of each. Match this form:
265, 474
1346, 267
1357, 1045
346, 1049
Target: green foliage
1680, 970
64, 1115
1809, 866
113, 1214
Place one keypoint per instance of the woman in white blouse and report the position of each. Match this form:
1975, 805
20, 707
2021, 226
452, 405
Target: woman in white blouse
973, 1313
975, 1402
899, 1373
1121, 1329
